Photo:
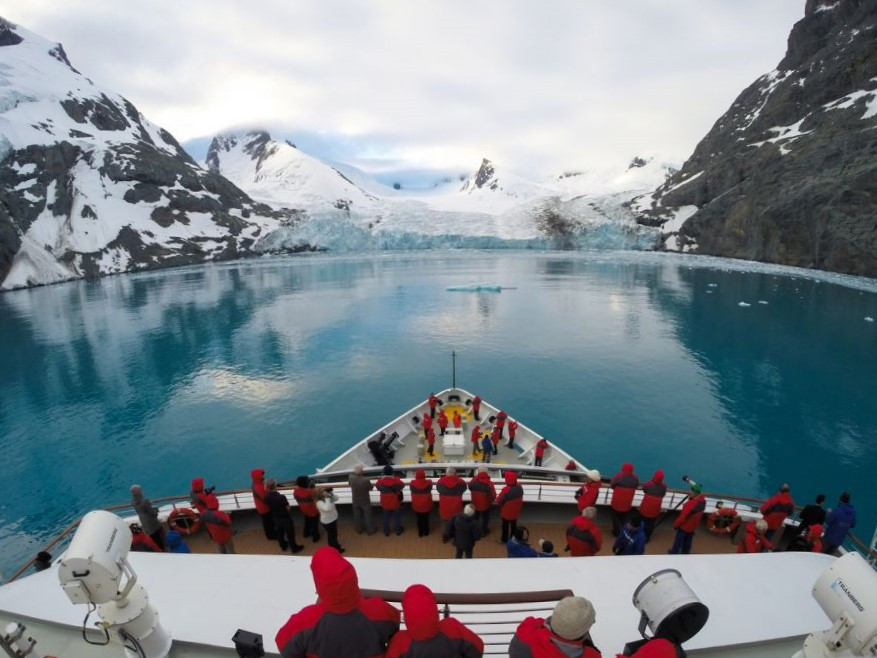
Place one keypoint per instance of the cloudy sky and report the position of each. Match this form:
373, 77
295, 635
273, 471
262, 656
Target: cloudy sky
429, 85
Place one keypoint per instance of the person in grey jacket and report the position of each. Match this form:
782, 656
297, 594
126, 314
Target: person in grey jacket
148, 515
465, 531
360, 486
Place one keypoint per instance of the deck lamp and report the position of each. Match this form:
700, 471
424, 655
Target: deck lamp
847, 593
94, 570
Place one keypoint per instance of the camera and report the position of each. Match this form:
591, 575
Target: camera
209, 490
328, 489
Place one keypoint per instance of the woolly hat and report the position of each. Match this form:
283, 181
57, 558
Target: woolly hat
696, 488
572, 618
469, 510
594, 475
388, 470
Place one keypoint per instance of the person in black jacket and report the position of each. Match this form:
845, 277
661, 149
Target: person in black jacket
282, 518
812, 514
465, 531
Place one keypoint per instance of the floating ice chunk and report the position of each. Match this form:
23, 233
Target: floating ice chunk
868, 318
713, 285
744, 304
709, 292
761, 301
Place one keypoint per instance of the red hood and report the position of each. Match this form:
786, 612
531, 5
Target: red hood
816, 530
421, 612
627, 468
335, 579
511, 477
659, 476
258, 474
482, 477
198, 485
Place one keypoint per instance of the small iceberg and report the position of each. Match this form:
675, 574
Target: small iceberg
712, 285
479, 287
761, 301
868, 318
744, 304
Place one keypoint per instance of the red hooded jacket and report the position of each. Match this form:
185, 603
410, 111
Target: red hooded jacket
258, 476
341, 622
501, 418
425, 636
541, 445
304, 496
776, 509
442, 419
483, 492
653, 496
533, 639
390, 487
753, 542
583, 537
691, 514
513, 427
426, 422
588, 493
451, 489
218, 523
624, 486
511, 498
142, 542
476, 435
200, 500
421, 492
476, 403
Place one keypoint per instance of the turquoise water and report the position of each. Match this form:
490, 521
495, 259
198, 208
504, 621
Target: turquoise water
281, 364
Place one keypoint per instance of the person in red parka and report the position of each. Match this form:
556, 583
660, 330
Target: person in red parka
513, 429
341, 622
200, 496
457, 420
583, 537
391, 488
565, 634
776, 509
623, 487
442, 421
501, 419
810, 541
510, 501
307, 503
587, 494
494, 439
421, 500
259, 492
754, 539
430, 441
218, 526
142, 542
426, 423
539, 453
476, 439
451, 488
433, 402
424, 636
476, 407
657, 647
653, 497
483, 494
688, 520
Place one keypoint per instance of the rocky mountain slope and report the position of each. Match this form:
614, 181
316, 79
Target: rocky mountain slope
789, 173
88, 186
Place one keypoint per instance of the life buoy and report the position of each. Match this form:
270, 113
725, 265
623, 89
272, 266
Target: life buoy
184, 520
723, 521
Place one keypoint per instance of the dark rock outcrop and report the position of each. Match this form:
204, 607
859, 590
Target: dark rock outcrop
789, 173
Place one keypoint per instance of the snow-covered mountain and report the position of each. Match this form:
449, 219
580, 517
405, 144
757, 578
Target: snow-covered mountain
493, 208
88, 186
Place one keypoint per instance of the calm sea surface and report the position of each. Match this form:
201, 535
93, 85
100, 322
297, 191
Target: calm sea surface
281, 364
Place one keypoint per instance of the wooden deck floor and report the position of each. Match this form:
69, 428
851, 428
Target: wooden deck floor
250, 538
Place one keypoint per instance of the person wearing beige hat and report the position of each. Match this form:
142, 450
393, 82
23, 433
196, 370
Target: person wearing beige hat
565, 634
587, 494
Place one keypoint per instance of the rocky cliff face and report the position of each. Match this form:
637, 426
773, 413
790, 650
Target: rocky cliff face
88, 186
789, 173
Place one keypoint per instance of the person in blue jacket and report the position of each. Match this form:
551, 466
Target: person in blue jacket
517, 545
838, 524
175, 543
632, 538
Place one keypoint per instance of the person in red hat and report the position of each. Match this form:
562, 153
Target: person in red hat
483, 494
476, 439
218, 526
304, 496
457, 419
421, 500
653, 498
476, 407
539, 453
433, 403
513, 429
257, 475
391, 487
776, 509
442, 421
623, 485
427, 636
430, 441
501, 419
342, 622
510, 501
